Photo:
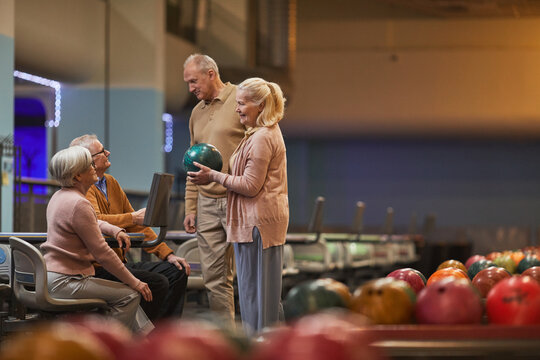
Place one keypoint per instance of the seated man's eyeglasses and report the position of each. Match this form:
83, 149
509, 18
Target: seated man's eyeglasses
100, 152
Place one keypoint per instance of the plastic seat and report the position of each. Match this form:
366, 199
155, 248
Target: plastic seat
189, 250
288, 261
29, 282
5, 264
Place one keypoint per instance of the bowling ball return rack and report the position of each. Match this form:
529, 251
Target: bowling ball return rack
481, 341
344, 252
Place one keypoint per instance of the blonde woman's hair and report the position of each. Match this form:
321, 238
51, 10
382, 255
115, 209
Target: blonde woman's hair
69, 162
260, 91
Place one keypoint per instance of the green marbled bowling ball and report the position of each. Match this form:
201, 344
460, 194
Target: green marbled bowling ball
478, 266
205, 154
310, 297
527, 262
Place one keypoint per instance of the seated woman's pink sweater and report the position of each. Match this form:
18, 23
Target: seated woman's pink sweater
75, 240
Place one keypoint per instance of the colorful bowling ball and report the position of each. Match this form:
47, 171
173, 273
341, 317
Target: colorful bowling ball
487, 278
492, 255
449, 301
232, 331
506, 261
531, 250
446, 272
54, 341
385, 301
182, 340
477, 266
414, 278
310, 297
320, 336
340, 288
110, 332
533, 272
474, 259
453, 264
514, 301
517, 256
527, 262
205, 154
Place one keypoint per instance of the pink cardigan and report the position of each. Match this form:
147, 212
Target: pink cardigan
75, 240
257, 188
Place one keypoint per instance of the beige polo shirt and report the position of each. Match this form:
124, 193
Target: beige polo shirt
215, 123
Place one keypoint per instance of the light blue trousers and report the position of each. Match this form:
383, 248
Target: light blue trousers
259, 283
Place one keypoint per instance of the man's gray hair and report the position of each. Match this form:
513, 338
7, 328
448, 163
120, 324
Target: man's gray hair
203, 63
69, 162
84, 140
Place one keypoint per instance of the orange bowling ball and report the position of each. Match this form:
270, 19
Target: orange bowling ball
385, 301
54, 341
517, 256
447, 272
453, 264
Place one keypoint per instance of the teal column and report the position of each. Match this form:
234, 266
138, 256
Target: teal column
129, 112
6, 109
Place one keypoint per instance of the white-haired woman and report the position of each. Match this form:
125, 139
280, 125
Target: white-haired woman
257, 202
75, 241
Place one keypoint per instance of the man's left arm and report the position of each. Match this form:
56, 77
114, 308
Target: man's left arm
121, 220
129, 215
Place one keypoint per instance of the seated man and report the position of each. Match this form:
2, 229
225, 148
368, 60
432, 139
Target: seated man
167, 279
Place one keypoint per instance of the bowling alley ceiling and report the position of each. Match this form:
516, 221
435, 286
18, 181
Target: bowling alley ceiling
473, 8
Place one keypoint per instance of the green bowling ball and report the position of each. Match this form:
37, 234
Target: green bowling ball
527, 262
205, 154
310, 297
479, 266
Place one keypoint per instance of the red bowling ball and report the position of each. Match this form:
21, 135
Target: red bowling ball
487, 278
533, 272
474, 259
449, 301
182, 340
514, 301
322, 336
413, 277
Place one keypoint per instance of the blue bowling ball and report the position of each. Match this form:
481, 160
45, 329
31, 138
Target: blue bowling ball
205, 154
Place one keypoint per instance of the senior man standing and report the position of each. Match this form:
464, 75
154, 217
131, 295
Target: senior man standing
213, 121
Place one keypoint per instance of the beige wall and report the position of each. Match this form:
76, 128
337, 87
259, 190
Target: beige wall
224, 35
137, 47
6, 17
176, 91
65, 40
60, 39
417, 76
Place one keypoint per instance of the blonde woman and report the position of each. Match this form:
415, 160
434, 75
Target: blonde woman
257, 202
75, 241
